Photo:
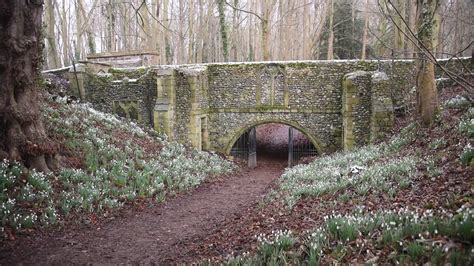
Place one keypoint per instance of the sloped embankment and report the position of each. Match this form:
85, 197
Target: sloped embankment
406, 200
107, 163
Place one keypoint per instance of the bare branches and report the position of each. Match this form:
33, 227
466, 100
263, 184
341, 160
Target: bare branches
464, 83
245, 11
190, 31
291, 11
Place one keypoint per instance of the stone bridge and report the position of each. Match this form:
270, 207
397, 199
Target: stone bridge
337, 104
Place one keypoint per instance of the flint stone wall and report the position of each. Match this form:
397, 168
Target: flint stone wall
306, 95
337, 104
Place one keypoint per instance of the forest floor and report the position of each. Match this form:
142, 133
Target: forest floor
151, 232
222, 218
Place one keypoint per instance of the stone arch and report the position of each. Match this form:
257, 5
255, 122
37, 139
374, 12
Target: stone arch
241, 130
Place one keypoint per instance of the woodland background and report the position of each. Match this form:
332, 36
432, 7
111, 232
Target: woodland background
200, 31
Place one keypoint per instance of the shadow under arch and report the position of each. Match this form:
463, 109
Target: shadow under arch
314, 140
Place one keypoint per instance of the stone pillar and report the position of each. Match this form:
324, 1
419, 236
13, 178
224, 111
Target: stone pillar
163, 115
195, 116
381, 106
204, 133
76, 77
356, 102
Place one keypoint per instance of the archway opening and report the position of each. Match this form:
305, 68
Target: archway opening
272, 141
276, 142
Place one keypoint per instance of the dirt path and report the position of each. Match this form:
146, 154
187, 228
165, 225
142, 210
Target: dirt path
154, 234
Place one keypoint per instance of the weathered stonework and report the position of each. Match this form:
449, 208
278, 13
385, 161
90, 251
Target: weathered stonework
164, 109
382, 108
367, 110
337, 104
107, 92
356, 109
129, 59
308, 96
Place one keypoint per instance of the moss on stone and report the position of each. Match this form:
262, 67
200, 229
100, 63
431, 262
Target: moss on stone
311, 94
120, 73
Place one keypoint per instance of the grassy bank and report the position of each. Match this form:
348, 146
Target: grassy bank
406, 200
106, 161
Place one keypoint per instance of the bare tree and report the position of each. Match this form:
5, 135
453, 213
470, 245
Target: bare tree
78, 41
427, 94
399, 29
366, 29
235, 27
264, 18
51, 51
111, 22
411, 27
330, 54
223, 29
204, 31
324, 9
168, 49
65, 33
146, 35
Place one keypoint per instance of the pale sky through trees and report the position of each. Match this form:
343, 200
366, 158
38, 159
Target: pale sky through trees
195, 31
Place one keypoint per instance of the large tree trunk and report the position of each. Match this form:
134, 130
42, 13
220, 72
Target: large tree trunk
22, 134
427, 94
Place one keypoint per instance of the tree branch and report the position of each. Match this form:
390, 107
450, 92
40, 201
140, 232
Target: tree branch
466, 85
292, 10
245, 11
